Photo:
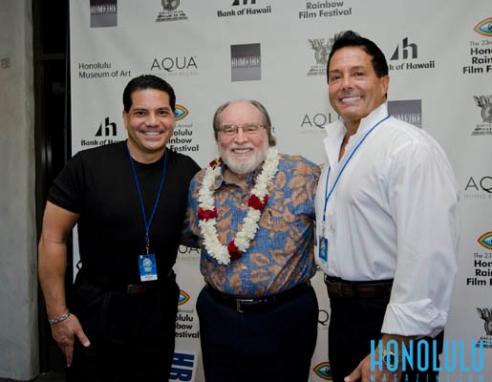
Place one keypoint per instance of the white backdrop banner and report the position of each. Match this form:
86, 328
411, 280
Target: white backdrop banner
440, 58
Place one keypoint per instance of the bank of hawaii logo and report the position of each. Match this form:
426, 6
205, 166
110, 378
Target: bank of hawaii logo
484, 27
323, 370
183, 297
181, 112
486, 240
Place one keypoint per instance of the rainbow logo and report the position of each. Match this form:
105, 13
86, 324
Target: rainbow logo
183, 297
486, 240
484, 27
323, 370
181, 112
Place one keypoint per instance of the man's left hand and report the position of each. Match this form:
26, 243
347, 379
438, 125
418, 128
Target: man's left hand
363, 373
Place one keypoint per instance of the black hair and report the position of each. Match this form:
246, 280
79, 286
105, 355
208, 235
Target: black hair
351, 38
147, 81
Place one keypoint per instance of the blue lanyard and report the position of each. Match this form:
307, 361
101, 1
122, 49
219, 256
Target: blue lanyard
147, 224
328, 194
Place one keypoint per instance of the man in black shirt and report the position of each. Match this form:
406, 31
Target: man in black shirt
128, 200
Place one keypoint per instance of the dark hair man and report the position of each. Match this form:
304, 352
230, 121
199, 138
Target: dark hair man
129, 201
387, 225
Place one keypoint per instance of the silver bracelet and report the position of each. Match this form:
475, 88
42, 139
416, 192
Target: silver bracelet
57, 320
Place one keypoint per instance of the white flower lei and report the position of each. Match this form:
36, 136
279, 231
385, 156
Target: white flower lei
206, 206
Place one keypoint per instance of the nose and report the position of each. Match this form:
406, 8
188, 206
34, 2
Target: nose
240, 135
151, 119
346, 82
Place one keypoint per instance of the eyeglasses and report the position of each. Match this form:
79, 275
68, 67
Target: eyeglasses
251, 128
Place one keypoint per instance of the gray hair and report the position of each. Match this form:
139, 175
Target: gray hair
266, 119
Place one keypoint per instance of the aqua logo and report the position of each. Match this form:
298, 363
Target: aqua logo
183, 297
181, 112
323, 370
319, 120
486, 240
323, 317
484, 27
484, 184
170, 64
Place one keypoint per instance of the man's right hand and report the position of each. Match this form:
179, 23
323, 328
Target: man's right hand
64, 334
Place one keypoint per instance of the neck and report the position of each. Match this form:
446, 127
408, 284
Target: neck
144, 157
351, 130
232, 177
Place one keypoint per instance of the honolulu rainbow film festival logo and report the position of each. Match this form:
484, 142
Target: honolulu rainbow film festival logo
323, 370
181, 112
486, 240
484, 27
183, 297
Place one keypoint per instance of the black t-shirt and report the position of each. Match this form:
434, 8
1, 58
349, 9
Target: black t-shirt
99, 184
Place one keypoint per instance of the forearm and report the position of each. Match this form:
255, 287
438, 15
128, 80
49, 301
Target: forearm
52, 263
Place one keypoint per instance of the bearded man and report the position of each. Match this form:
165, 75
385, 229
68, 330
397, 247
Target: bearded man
252, 211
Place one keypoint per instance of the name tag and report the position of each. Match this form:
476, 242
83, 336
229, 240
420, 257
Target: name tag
323, 248
148, 267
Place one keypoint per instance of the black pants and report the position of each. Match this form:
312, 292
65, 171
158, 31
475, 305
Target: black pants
354, 323
132, 335
270, 346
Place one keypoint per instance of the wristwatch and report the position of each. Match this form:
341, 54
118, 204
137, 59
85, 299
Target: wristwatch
390, 360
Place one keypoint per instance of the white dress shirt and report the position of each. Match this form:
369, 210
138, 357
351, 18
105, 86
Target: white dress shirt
393, 214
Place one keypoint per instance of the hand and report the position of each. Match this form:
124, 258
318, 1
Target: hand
363, 373
64, 334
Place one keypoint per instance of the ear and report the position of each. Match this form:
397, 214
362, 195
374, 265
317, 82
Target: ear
124, 115
384, 85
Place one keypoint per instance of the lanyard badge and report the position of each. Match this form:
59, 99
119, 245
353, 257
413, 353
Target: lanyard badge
147, 263
322, 240
148, 267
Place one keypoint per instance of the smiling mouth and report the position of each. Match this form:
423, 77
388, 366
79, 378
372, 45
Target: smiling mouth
350, 99
241, 151
152, 133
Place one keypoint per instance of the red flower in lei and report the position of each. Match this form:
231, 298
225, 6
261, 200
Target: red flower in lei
207, 214
256, 203
234, 252
215, 163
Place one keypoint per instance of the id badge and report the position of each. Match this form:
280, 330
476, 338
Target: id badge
148, 267
323, 248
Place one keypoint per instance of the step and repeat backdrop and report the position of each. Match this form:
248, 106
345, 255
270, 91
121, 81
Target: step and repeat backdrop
440, 59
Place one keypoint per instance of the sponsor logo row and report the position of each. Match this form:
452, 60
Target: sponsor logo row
246, 62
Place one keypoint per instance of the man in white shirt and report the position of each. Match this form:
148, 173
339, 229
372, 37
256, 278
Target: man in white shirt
387, 224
